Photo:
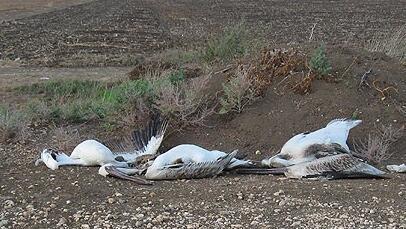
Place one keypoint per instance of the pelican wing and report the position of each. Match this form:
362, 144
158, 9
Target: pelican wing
331, 167
334, 167
114, 172
191, 170
140, 142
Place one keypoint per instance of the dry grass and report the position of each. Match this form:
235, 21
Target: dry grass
186, 103
13, 124
376, 148
393, 44
238, 91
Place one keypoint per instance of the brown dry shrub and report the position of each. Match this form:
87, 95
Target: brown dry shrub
376, 148
289, 67
237, 91
186, 103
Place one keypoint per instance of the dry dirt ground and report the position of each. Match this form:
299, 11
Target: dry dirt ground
77, 197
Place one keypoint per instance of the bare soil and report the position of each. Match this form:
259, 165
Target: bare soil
77, 197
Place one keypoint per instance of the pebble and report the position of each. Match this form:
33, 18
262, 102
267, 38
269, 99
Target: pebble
278, 193
8, 204
3, 222
110, 200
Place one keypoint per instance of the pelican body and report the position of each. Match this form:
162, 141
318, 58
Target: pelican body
306, 147
183, 162
124, 154
87, 153
330, 167
191, 161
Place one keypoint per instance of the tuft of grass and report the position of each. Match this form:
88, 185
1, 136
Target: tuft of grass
376, 148
12, 123
177, 77
238, 92
63, 88
232, 43
319, 62
392, 44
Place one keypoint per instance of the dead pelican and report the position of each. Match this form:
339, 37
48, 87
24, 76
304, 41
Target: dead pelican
184, 162
123, 154
330, 167
312, 145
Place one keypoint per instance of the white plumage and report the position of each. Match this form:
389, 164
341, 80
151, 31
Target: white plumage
191, 161
182, 162
299, 148
94, 153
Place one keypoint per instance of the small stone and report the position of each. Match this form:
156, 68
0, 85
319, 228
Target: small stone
278, 193
3, 222
8, 204
85, 226
282, 202
295, 224
110, 200
118, 194
61, 222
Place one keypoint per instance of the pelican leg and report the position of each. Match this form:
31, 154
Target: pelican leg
114, 172
278, 162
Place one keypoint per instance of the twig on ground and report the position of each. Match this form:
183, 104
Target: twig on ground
349, 67
311, 33
382, 91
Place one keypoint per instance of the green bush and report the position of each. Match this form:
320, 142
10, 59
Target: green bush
319, 62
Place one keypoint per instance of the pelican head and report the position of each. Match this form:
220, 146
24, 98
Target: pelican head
48, 156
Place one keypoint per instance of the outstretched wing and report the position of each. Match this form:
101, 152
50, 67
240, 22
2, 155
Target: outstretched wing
140, 142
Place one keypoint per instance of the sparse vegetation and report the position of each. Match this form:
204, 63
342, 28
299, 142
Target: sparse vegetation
76, 101
232, 43
319, 62
392, 44
12, 123
186, 103
238, 92
376, 148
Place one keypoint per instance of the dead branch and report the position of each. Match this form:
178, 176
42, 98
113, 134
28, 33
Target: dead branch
382, 91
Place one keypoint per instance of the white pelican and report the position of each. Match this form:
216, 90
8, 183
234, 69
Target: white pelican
309, 146
330, 167
124, 154
182, 162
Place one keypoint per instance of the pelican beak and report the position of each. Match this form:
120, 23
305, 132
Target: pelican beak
114, 172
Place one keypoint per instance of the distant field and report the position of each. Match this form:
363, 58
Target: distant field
13, 9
